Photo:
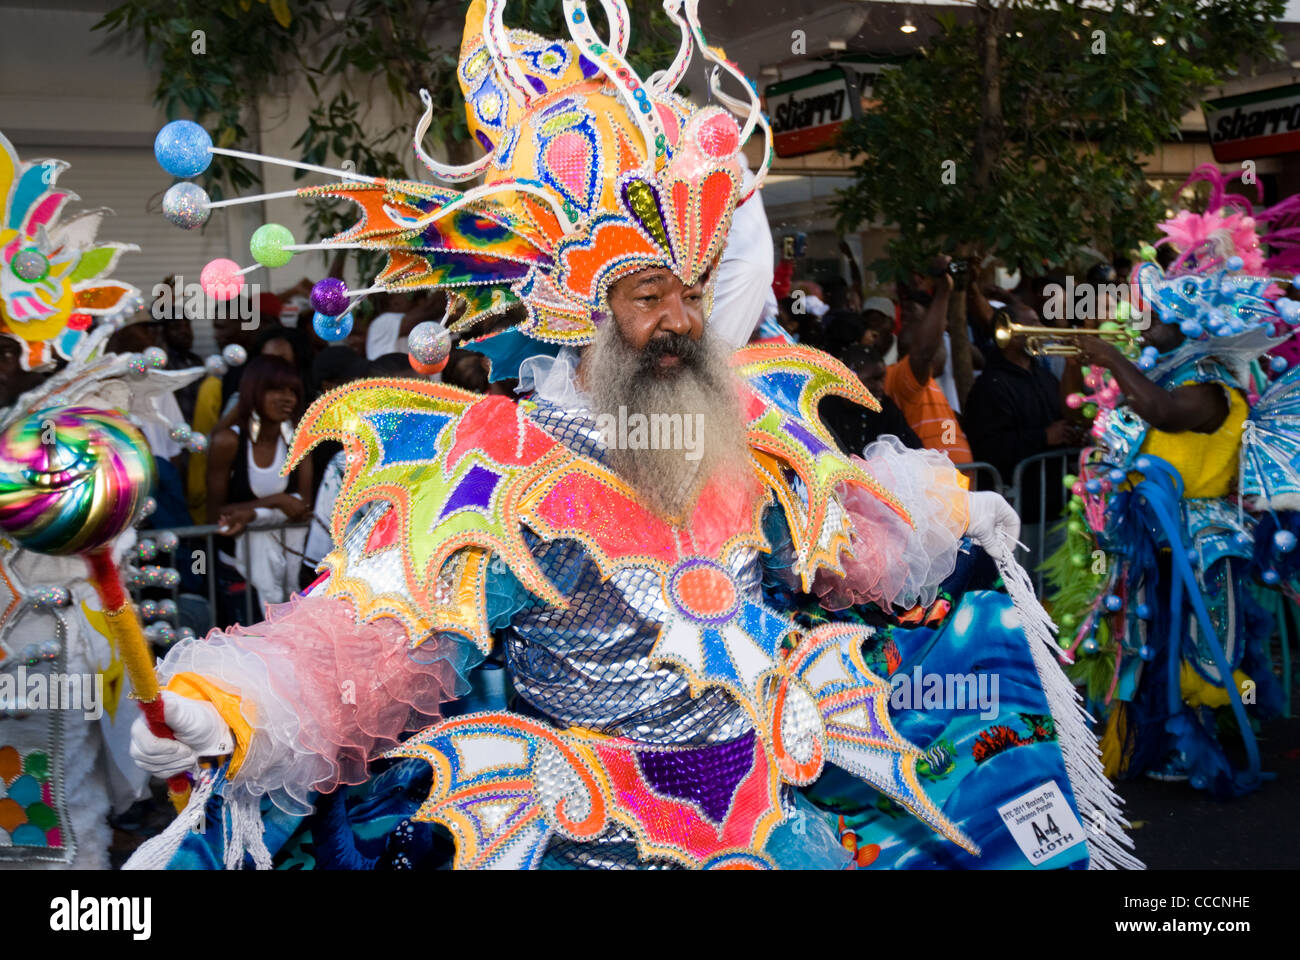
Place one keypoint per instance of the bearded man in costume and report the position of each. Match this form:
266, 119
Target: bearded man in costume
633, 539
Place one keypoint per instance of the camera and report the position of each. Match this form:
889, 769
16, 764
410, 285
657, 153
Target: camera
957, 269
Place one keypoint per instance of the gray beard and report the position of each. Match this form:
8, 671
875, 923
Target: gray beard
666, 432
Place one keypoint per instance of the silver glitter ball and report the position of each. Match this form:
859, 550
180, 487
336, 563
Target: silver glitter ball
185, 633
167, 541
429, 342
148, 507
148, 609
161, 632
181, 433
155, 357
167, 608
215, 366
168, 577
234, 354
30, 265
138, 365
50, 649
49, 598
186, 205
197, 443
146, 550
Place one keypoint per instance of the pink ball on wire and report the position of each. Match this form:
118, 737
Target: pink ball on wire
1077, 488
221, 279
1074, 401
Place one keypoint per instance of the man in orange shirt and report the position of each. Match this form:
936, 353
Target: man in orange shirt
910, 382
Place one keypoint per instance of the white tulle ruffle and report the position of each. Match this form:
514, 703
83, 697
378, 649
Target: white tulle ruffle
892, 563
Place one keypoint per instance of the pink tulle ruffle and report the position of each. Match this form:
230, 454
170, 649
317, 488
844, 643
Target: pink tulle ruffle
323, 693
891, 563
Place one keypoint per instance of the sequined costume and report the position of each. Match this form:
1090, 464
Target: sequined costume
1171, 635
666, 706
675, 705
64, 712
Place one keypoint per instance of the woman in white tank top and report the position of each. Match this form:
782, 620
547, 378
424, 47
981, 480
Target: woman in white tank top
244, 481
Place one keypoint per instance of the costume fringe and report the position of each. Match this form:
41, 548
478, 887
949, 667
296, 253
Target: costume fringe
157, 852
1099, 805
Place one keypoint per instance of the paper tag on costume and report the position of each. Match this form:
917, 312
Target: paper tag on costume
1042, 823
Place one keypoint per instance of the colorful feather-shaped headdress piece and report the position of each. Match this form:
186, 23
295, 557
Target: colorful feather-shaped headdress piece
53, 274
589, 173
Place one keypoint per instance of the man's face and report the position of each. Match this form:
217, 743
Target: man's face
10, 351
1163, 336
226, 331
873, 378
138, 337
655, 307
178, 334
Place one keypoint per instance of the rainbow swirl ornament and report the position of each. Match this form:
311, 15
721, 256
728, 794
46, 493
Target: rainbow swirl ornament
71, 478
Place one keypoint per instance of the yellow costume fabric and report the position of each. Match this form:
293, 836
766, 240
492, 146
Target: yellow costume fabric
1207, 461
207, 411
196, 687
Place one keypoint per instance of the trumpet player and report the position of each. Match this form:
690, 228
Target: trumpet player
1015, 411
1152, 584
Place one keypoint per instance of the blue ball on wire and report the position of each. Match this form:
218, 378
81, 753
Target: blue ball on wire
183, 148
330, 328
1284, 541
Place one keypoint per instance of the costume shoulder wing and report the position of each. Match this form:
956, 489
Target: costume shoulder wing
797, 456
447, 469
1270, 446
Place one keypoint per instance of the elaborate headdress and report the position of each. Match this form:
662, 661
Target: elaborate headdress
590, 173
1218, 290
52, 274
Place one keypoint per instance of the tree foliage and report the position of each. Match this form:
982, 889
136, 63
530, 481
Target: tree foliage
1085, 92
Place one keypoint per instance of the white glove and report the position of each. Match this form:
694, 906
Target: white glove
990, 516
199, 729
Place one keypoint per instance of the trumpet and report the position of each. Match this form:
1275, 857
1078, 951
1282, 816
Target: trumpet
1049, 341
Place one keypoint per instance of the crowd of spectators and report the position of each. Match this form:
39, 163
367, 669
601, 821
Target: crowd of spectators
900, 347
1012, 407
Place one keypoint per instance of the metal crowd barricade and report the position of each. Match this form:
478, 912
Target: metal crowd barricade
208, 533
982, 470
1036, 536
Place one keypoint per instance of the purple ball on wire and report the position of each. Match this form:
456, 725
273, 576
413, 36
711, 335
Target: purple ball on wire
330, 296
